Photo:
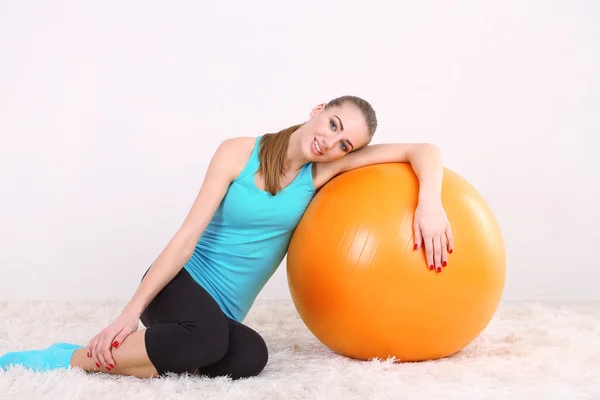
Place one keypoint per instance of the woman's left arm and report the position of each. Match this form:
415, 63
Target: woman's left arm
431, 226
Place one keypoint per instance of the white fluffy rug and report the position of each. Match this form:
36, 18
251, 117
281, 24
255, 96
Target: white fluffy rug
529, 351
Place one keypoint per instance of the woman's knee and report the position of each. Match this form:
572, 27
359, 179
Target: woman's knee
255, 358
261, 358
185, 346
207, 344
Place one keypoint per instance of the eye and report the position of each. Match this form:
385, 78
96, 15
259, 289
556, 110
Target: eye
344, 147
333, 125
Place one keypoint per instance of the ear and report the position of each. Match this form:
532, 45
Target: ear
317, 109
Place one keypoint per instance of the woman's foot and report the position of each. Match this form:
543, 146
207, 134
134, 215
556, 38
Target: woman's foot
56, 356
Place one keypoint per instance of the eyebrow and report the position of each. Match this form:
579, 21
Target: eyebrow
342, 126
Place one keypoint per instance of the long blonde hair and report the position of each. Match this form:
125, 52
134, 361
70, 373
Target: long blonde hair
273, 146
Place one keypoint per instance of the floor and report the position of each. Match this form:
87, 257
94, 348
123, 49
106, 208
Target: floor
529, 351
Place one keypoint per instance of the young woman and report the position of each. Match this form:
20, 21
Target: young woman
194, 297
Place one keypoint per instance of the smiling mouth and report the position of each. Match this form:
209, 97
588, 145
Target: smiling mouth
317, 146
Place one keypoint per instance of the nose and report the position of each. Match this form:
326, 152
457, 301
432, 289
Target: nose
330, 141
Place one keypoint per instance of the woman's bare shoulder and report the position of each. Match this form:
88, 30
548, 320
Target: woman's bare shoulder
238, 147
236, 152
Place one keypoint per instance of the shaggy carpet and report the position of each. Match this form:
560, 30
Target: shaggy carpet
529, 351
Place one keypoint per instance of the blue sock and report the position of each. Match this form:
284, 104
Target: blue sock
57, 356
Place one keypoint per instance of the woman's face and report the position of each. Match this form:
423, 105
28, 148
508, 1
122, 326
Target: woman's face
331, 134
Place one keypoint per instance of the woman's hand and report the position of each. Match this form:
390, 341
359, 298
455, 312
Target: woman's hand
99, 347
431, 227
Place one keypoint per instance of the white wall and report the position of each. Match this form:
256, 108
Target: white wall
110, 111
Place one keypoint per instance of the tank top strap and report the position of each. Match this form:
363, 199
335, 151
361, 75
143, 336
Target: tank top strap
253, 162
306, 177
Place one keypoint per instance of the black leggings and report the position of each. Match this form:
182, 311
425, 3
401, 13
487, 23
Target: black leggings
188, 332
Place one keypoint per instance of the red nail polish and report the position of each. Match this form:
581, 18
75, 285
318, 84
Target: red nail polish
116, 344
444, 264
88, 354
431, 267
416, 245
97, 365
108, 369
112, 366
450, 251
439, 269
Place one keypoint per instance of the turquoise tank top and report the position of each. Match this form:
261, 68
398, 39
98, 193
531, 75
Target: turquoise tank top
248, 237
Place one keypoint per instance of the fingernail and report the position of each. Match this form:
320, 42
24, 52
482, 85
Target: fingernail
97, 365
116, 344
450, 251
112, 366
444, 264
88, 354
439, 269
416, 245
431, 267
108, 369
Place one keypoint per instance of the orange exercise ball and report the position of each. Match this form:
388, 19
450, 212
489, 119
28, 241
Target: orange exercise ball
363, 291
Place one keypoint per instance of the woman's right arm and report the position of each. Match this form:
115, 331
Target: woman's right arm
226, 164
